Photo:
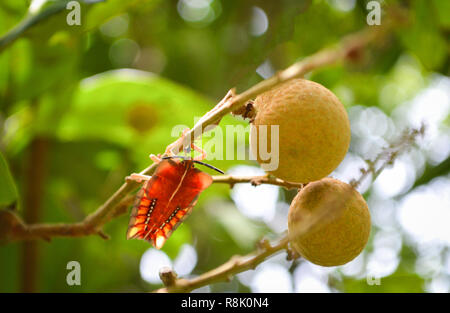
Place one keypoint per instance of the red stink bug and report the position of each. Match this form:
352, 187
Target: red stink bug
167, 198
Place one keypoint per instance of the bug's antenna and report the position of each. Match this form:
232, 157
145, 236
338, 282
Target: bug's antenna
210, 166
174, 157
196, 161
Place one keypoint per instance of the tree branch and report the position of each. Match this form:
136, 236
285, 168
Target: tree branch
388, 155
255, 181
224, 272
13, 228
32, 19
92, 224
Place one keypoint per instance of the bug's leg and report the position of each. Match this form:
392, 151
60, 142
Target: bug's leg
203, 153
137, 178
170, 147
155, 158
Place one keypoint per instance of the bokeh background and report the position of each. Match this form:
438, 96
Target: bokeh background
82, 106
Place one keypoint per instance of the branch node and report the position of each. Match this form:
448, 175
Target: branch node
263, 244
258, 180
11, 226
46, 238
247, 111
291, 254
168, 276
103, 235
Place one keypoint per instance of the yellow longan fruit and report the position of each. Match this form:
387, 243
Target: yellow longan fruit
314, 130
329, 222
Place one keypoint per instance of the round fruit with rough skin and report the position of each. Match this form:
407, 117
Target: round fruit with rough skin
313, 132
329, 222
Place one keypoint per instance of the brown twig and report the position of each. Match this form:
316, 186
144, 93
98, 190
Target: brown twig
168, 276
93, 223
14, 229
224, 272
388, 155
256, 181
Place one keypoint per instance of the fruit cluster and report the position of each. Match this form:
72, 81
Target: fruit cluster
329, 221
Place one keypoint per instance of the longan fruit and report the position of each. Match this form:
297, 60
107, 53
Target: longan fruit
328, 222
314, 130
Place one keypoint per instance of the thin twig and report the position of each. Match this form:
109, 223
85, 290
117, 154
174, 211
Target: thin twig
33, 19
388, 155
256, 181
235, 265
16, 229
168, 276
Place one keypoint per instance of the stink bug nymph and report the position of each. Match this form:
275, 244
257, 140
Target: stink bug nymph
167, 197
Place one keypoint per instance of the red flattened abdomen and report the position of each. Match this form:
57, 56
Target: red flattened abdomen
166, 200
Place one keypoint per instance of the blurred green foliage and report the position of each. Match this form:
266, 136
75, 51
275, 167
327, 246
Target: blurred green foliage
108, 93
8, 192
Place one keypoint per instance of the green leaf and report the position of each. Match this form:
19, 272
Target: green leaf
443, 12
4, 73
49, 17
423, 37
8, 191
106, 10
126, 107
